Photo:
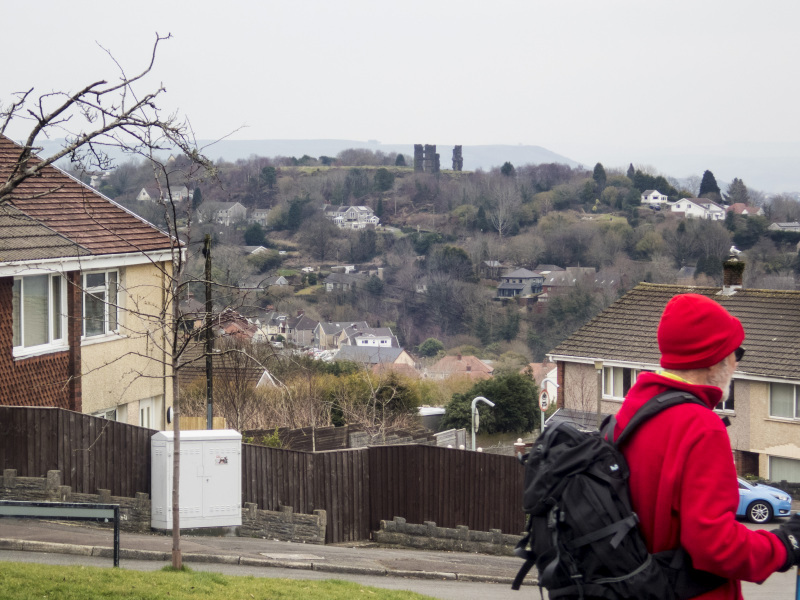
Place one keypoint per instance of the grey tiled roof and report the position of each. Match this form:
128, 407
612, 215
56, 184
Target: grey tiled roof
364, 354
626, 330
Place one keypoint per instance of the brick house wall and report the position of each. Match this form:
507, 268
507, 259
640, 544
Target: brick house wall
50, 379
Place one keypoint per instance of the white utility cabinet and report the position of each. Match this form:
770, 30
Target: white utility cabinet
211, 479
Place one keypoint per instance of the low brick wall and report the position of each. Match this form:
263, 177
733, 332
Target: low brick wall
134, 513
430, 537
284, 525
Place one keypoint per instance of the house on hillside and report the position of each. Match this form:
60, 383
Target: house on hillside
300, 330
653, 198
343, 282
153, 194
374, 356
222, 213
351, 217
793, 227
559, 282
520, 282
260, 216
81, 289
764, 404
740, 208
458, 365
327, 334
373, 337
699, 208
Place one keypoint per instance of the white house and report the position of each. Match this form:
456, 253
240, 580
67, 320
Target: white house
653, 198
224, 213
177, 193
699, 208
351, 217
260, 216
794, 227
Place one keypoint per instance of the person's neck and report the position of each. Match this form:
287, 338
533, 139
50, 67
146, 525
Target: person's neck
693, 376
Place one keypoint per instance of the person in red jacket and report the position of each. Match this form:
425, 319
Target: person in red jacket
682, 475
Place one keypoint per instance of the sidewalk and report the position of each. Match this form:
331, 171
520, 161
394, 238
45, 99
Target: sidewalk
357, 558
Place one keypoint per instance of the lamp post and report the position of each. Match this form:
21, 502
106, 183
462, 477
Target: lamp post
475, 417
598, 365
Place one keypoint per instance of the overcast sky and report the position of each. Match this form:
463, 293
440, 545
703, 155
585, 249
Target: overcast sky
588, 79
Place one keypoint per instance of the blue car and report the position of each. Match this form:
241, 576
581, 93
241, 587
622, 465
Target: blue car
760, 503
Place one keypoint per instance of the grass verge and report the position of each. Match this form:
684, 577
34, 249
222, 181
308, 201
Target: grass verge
26, 581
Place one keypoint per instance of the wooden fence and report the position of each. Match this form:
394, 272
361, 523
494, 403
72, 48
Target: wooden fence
90, 452
358, 488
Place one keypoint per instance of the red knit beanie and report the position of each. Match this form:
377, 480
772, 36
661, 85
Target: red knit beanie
695, 332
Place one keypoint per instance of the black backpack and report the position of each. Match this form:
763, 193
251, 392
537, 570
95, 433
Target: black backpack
581, 531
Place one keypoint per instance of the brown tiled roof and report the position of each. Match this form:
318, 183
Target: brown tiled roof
78, 212
626, 330
22, 238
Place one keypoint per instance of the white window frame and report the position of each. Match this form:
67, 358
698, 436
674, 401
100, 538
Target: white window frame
729, 406
110, 308
795, 412
147, 413
56, 327
609, 369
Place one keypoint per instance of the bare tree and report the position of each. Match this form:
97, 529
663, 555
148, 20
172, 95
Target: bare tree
505, 201
119, 116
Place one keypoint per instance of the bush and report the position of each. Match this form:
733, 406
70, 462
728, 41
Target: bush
516, 409
430, 347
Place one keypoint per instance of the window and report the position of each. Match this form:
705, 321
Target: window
100, 311
38, 313
146, 413
784, 469
617, 381
783, 401
729, 403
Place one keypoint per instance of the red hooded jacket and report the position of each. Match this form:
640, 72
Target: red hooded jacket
684, 489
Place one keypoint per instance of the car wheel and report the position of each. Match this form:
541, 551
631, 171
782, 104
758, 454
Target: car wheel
759, 512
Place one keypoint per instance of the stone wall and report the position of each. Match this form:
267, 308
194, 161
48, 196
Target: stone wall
284, 525
430, 537
134, 513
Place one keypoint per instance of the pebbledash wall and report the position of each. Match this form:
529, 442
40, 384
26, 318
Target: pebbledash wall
283, 525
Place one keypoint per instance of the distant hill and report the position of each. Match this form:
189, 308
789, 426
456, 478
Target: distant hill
767, 167
475, 157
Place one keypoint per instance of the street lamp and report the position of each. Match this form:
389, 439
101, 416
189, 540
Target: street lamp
475, 417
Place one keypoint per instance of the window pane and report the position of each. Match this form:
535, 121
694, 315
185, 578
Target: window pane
94, 314
618, 383
784, 469
112, 301
35, 310
781, 400
16, 317
95, 280
56, 307
607, 386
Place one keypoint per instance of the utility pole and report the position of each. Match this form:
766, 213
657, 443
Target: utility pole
209, 346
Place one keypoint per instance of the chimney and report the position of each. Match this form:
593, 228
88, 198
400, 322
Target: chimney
732, 271
459, 357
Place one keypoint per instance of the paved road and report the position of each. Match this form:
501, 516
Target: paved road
442, 575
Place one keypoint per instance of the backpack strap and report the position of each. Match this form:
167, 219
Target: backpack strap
651, 408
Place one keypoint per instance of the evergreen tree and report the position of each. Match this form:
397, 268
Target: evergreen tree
383, 180
400, 161
631, 172
737, 192
379, 208
508, 169
254, 235
708, 185
197, 198
295, 215
482, 330
268, 177
599, 176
